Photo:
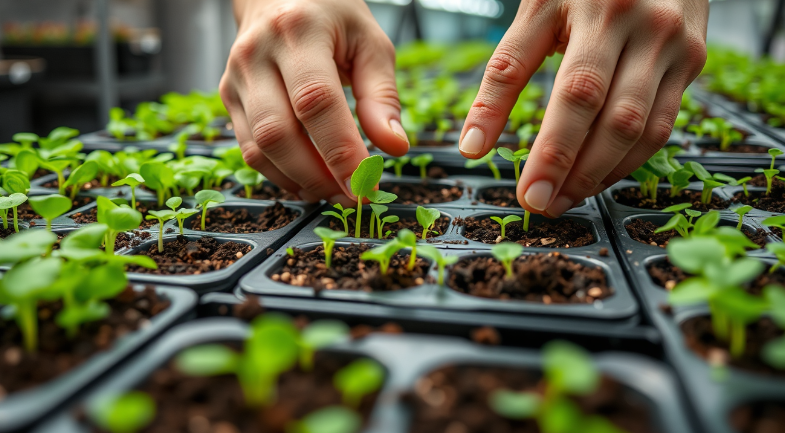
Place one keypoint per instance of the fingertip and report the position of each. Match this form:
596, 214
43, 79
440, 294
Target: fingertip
472, 143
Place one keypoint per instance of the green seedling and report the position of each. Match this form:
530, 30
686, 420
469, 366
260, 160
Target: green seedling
26, 139
133, 180
516, 158
127, 413
770, 174
343, 215
427, 218
290, 251
331, 419
717, 128
57, 165
506, 253
50, 207
317, 335
709, 181
778, 250
27, 161
207, 199
363, 181
773, 352
11, 202
162, 216
378, 210
503, 222
525, 134
741, 211
26, 245
328, 240
382, 254
15, 181
158, 177
407, 239
441, 261
180, 214
118, 218
397, 164
249, 178
378, 199
358, 379
83, 174
685, 226
679, 180
422, 161
774, 153
271, 349
743, 182
487, 159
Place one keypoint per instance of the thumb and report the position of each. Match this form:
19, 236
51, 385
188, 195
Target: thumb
378, 107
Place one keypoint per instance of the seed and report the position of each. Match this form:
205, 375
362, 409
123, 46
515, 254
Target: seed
419, 281
595, 292
276, 277
290, 262
286, 277
239, 254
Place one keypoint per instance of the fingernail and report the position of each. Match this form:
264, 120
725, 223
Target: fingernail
559, 206
473, 141
348, 184
342, 199
307, 196
398, 130
539, 194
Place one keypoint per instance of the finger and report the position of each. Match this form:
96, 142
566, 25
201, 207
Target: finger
378, 106
516, 58
317, 99
618, 127
579, 93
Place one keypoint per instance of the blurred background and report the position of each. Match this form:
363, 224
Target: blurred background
67, 62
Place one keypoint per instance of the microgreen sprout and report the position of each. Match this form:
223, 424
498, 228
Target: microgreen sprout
358, 379
516, 158
290, 251
650, 173
743, 182
343, 215
774, 153
50, 207
741, 211
331, 419
503, 222
118, 218
363, 181
162, 216
180, 214
317, 335
506, 253
15, 181
422, 161
441, 261
133, 180
778, 250
382, 254
127, 413
709, 181
407, 239
378, 199
427, 218
249, 178
397, 164
83, 174
328, 240
378, 210
158, 177
770, 174
487, 159
207, 199
11, 202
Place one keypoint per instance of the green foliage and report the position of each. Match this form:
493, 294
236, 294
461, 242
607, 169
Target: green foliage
717, 128
133, 180
382, 254
741, 211
118, 218
436, 256
516, 158
487, 159
770, 174
503, 222
343, 215
11, 202
331, 419
127, 413
15, 181
162, 216
422, 161
328, 239
709, 181
363, 181
207, 199
506, 253
358, 379
317, 335
158, 177
83, 174
249, 178
407, 239
50, 207
180, 214
743, 182
397, 164
427, 218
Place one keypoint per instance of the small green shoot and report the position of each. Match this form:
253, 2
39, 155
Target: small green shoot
506, 253
180, 214
427, 218
343, 215
317, 335
162, 216
778, 250
382, 254
50, 207
358, 379
11, 202
503, 222
249, 178
741, 211
118, 218
331, 419
441, 261
206, 199
516, 158
422, 161
407, 239
743, 182
397, 164
487, 159
364, 180
127, 413
82, 175
133, 180
328, 240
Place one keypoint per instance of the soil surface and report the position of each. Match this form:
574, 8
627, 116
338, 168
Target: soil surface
699, 337
91, 215
664, 274
733, 148
562, 233
643, 232
242, 220
57, 354
348, 272
125, 240
774, 202
502, 196
759, 417
422, 193
183, 256
760, 180
632, 197
25, 212
441, 226
4, 233
455, 399
268, 191
548, 278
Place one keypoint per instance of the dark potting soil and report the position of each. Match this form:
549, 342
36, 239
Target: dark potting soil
57, 354
733, 148
228, 220
632, 197
643, 232
502, 196
547, 278
91, 215
268, 191
183, 256
95, 183
562, 233
759, 417
774, 202
4, 233
699, 337
41, 172
455, 399
422, 193
348, 272
25, 212
760, 180
441, 226
665, 274
125, 240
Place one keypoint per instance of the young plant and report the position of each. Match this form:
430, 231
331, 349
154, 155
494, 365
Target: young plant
180, 214
328, 240
684, 225
427, 218
50, 207
317, 335
11, 202
15, 181
83, 174
378, 199
709, 181
407, 239
487, 159
158, 177
422, 161
441, 261
343, 215
207, 199
378, 210
249, 178
771, 172
331, 419
162, 216
117, 218
127, 413
363, 181
382, 254
743, 182
649, 174
57, 165
516, 158
778, 250
133, 180
506, 253
741, 211
358, 379
503, 222
397, 164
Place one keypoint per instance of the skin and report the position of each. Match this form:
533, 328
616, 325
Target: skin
615, 99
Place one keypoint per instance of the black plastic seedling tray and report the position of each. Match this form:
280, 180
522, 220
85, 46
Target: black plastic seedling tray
101, 140
21, 409
406, 359
739, 110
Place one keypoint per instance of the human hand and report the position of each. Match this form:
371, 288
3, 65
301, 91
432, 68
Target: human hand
283, 83
615, 98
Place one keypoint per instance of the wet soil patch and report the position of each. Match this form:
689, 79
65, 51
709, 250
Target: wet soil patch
774, 202
348, 272
455, 399
242, 220
502, 196
267, 191
4, 233
57, 354
422, 193
759, 417
91, 215
562, 233
192, 257
547, 278
632, 197
126, 240
643, 232
25, 212
440, 226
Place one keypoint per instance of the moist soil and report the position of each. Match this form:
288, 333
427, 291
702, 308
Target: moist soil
267, 191
58, 354
182, 256
774, 202
455, 399
91, 215
187, 404
125, 240
699, 337
733, 148
561, 233
241, 220
547, 278
422, 193
760, 180
502, 196
4, 233
759, 417
440, 226
25, 212
643, 232
665, 274
632, 197
348, 272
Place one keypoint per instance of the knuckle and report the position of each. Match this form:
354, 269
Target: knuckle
243, 51
555, 155
628, 121
504, 68
312, 99
696, 53
339, 155
225, 90
583, 181
290, 17
482, 110
667, 19
253, 156
585, 88
268, 130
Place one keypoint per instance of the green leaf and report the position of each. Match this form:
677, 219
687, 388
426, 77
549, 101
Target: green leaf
25, 245
207, 196
774, 353
507, 251
677, 207
248, 176
273, 344
379, 209
174, 202
774, 152
472, 163
156, 175
322, 333
367, 175
707, 223
160, 215
16, 181
358, 379
331, 419
740, 305
50, 206
433, 253
325, 233
381, 197
103, 282
407, 238
700, 172
775, 221
77, 314
83, 174
27, 161
427, 217
207, 360
515, 405
570, 368
90, 236
691, 291
123, 219
562, 416
743, 210
422, 160
677, 221
32, 278
133, 180
659, 165
736, 273
128, 413
12, 200
511, 218
775, 295
693, 254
